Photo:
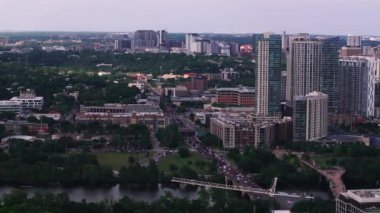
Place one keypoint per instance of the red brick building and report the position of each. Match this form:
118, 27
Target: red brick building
198, 82
237, 96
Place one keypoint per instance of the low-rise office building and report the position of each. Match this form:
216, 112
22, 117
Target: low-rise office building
34, 128
179, 91
236, 96
55, 116
228, 74
197, 82
141, 85
125, 115
29, 100
192, 102
213, 76
11, 106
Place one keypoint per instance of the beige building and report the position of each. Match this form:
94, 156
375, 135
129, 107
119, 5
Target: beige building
310, 117
350, 51
304, 66
245, 131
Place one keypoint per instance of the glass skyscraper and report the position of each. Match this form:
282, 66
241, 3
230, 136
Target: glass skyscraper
330, 71
268, 52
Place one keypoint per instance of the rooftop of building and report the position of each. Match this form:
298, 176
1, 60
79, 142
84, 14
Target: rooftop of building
228, 70
177, 88
357, 58
315, 93
18, 137
142, 108
185, 99
363, 196
309, 95
108, 105
233, 119
244, 119
129, 107
7, 102
237, 89
37, 98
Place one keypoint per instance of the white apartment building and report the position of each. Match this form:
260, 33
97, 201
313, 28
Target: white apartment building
304, 66
191, 42
310, 117
357, 85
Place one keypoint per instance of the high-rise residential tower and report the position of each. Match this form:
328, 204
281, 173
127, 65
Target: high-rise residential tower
330, 71
122, 44
304, 66
163, 40
191, 42
310, 116
354, 41
357, 85
268, 74
285, 42
145, 39
283, 86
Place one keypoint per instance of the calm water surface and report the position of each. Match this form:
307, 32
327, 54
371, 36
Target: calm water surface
99, 194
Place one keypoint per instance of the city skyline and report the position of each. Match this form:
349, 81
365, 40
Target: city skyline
212, 16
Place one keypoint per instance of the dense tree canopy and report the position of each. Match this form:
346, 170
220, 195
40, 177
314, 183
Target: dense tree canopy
170, 136
359, 161
266, 166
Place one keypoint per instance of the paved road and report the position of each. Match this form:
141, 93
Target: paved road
158, 151
230, 171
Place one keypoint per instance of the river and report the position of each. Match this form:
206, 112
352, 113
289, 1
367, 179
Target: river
116, 193
99, 194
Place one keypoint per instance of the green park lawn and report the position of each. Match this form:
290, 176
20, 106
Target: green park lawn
116, 160
195, 161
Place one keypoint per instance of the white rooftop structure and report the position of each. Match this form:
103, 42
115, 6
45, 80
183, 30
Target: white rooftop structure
29, 100
364, 195
237, 89
18, 137
358, 201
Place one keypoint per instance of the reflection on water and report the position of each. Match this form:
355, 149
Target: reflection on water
99, 194
288, 202
116, 193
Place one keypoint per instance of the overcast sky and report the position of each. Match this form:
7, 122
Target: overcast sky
230, 16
